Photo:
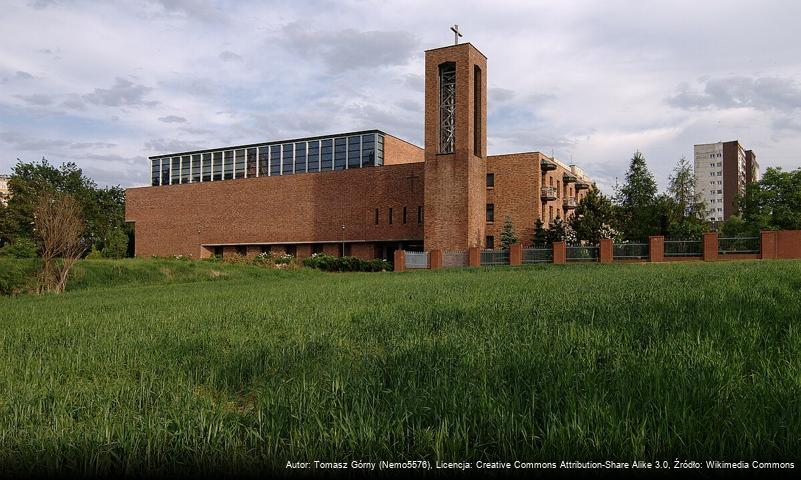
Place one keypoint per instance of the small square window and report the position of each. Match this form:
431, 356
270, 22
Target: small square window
490, 180
490, 212
490, 241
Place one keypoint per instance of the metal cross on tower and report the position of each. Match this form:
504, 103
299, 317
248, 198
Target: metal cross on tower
456, 34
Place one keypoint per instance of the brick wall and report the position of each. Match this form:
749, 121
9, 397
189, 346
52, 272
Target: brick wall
455, 195
397, 151
178, 219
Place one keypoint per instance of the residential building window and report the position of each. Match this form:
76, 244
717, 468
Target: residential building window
490, 241
420, 214
404, 215
490, 212
376, 216
550, 214
389, 216
490, 180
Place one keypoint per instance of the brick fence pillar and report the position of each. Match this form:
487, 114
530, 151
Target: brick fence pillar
435, 259
710, 246
559, 253
515, 254
606, 250
656, 248
400, 261
767, 245
474, 257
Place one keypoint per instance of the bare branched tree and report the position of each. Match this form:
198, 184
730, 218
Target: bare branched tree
59, 225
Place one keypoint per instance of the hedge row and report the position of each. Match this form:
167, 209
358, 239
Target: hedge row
330, 263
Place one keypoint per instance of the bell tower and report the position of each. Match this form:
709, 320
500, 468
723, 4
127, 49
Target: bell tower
455, 147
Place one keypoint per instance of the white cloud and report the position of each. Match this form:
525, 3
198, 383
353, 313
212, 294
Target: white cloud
589, 81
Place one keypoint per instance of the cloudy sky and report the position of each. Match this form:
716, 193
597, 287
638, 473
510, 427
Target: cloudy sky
107, 84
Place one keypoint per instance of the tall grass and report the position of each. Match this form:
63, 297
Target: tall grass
660, 361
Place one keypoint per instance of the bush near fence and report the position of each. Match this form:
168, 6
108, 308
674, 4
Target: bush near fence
329, 263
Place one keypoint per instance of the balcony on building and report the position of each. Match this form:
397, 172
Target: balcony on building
547, 165
548, 193
570, 203
569, 178
581, 185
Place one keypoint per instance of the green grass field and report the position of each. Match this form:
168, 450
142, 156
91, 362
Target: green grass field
168, 366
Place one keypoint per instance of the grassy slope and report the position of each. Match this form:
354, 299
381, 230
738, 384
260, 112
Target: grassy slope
94, 274
649, 361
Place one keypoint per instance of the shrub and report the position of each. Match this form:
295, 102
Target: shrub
264, 259
94, 254
15, 276
329, 263
235, 259
284, 259
20, 248
116, 245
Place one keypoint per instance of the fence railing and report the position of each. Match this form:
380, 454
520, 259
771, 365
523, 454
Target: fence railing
684, 248
582, 253
495, 257
738, 245
454, 259
570, 202
538, 255
630, 250
416, 259
548, 192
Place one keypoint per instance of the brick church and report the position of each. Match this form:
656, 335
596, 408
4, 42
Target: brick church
363, 193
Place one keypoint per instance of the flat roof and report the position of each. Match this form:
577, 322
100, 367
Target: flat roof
458, 45
275, 142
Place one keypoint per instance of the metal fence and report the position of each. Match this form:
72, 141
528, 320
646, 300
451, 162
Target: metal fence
684, 248
454, 259
738, 245
630, 250
538, 255
581, 253
416, 259
495, 257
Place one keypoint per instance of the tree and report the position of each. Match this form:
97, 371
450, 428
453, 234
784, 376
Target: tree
116, 245
687, 214
773, 203
593, 218
58, 224
636, 199
102, 209
540, 237
559, 231
508, 235
682, 188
